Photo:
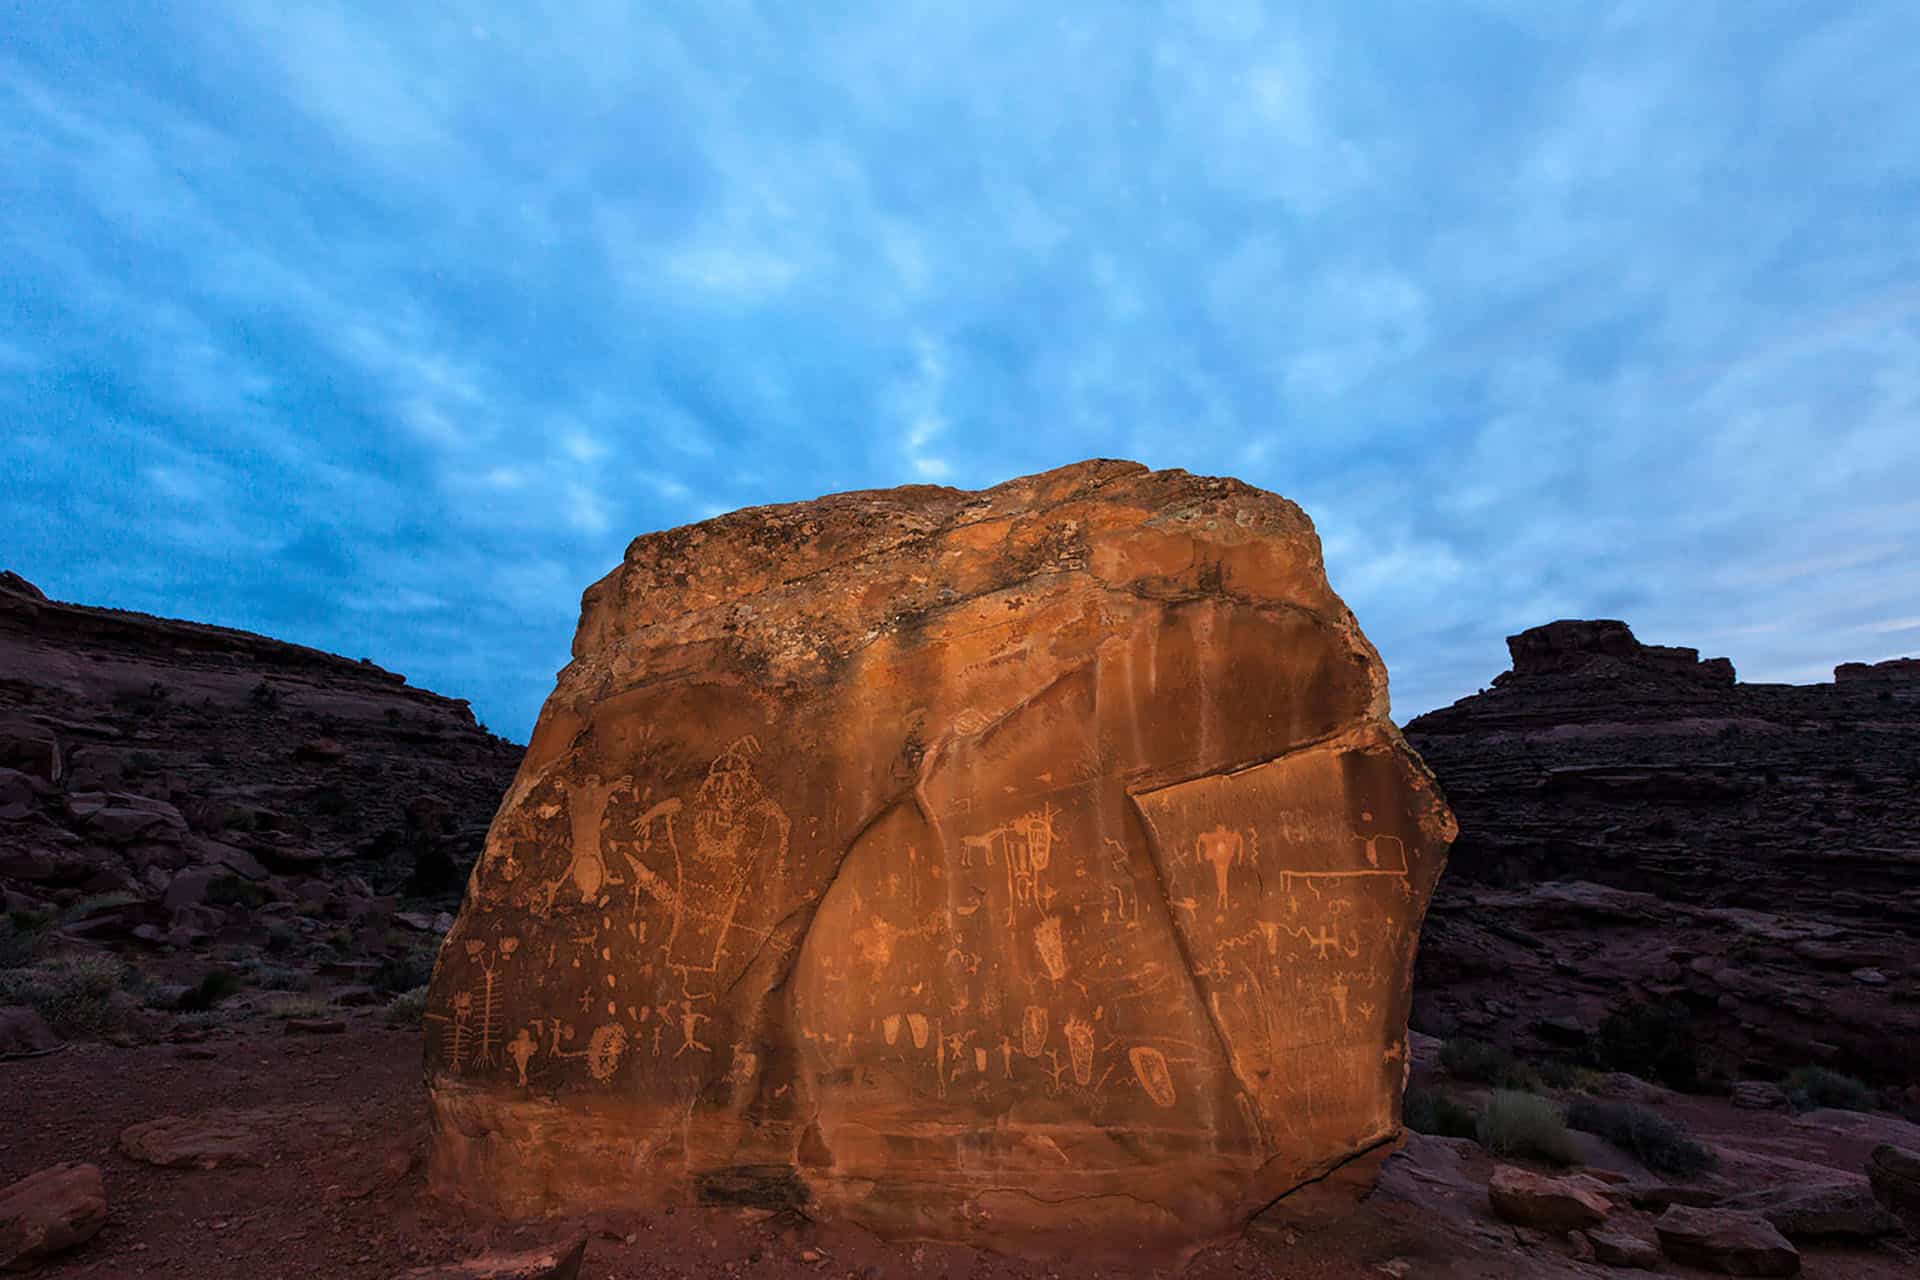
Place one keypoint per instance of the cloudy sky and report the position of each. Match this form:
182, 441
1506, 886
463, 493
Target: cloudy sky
383, 328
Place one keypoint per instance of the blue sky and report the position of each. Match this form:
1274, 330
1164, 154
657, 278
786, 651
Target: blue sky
383, 328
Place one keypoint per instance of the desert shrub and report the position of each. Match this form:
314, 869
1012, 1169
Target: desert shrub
404, 973
1483, 1063
1647, 1136
1652, 1041
408, 1008
214, 986
1557, 1073
237, 891
97, 902
1516, 1123
76, 994
265, 697
235, 819
21, 936
1812, 1087
281, 937
299, 1006
1429, 1111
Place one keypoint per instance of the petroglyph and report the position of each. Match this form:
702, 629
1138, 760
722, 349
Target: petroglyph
1033, 1030
1150, 1069
1079, 1034
605, 1049
1220, 848
1052, 948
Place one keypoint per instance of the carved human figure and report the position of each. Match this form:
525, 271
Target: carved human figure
1220, 848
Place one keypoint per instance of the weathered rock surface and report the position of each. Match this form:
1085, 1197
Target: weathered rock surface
1837, 1209
554, 1262
23, 1033
1624, 1249
1894, 1174
1735, 1244
226, 790
49, 1212
1638, 828
205, 1140
1035, 867
1549, 1204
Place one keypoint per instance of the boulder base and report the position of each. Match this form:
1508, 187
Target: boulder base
1034, 867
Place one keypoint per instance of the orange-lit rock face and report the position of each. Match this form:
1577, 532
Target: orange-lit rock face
986, 866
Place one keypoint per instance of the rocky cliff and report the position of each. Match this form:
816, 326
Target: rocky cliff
1642, 835
175, 791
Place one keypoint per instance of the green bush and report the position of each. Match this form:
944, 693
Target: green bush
1811, 1087
1483, 1063
1525, 1124
1648, 1137
408, 1008
77, 994
281, 937
413, 969
1429, 1111
1651, 1041
237, 891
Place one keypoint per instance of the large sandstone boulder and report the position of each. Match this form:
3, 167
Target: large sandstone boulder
1035, 867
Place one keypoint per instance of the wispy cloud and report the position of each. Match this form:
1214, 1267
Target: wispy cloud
385, 332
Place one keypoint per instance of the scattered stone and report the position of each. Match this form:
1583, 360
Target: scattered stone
196, 1053
354, 995
50, 1211
555, 1262
1894, 1174
1549, 1204
1841, 1209
1759, 1095
315, 1026
1735, 1244
24, 1033
205, 1140
1623, 1249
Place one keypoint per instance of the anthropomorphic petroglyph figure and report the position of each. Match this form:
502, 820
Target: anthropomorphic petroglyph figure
521, 1051
739, 834
1220, 848
604, 1050
690, 1020
587, 868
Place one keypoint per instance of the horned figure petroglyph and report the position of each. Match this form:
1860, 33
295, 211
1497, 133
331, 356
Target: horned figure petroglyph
587, 868
737, 827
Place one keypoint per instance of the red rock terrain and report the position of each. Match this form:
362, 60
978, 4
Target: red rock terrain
1732, 865
191, 817
1033, 867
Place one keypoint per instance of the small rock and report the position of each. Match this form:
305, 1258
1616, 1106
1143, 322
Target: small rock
1869, 977
207, 1140
1758, 1095
50, 1211
354, 995
1723, 1240
1894, 1174
23, 1031
196, 1053
559, 1261
812, 1256
315, 1026
1843, 1209
1620, 1249
1550, 1204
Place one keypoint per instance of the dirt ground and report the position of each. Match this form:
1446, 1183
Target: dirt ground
332, 1201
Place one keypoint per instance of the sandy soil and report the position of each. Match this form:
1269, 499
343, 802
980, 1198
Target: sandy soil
335, 1197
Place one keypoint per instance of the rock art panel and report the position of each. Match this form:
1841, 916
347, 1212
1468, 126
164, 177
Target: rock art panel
980, 866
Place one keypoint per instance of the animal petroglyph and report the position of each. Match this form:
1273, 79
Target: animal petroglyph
1150, 1069
587, 868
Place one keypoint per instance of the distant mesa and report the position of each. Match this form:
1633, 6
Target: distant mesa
1572, 645
1902, 671
1034, 867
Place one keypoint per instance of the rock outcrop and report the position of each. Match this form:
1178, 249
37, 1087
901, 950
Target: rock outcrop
1035, 867
167, 788
50, 1212
1639, 831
